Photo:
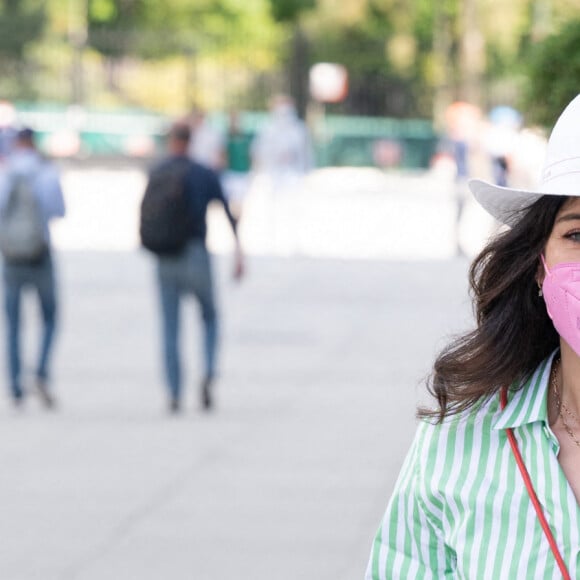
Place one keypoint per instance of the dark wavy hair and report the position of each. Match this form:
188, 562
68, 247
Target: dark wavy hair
514, 333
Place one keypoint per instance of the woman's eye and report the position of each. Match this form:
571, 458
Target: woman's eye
575, 236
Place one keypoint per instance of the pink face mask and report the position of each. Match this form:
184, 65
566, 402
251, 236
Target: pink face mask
561, 290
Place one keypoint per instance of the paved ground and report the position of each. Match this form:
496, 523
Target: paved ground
322, 366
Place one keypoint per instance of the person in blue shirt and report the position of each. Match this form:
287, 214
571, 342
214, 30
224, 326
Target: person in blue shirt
190, 272
38, 275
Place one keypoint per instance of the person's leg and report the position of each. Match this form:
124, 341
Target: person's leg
210, 330
12, 299
46, 289
170, 300
204, 292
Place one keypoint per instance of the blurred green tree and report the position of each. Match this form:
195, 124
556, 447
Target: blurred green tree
158, 28
290, 10
290, 13
404, 57
553, 73
21, 22
386, 45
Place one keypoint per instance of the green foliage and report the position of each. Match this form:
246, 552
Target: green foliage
246, 49
157, 29
103, 11
423, 23
554, 71
289, 10
385, 46
359, 44
21, 22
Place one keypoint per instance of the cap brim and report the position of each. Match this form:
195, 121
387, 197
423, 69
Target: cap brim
503, 203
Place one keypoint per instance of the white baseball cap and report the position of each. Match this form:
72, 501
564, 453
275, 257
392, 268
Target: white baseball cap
560, 174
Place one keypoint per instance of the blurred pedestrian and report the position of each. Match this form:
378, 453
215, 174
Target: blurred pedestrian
501, 140
30, 196
281, 157
282, 149
235, 178
207, 145
491, 485
463, 126
173, 226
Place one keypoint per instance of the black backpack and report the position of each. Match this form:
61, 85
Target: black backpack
165, 221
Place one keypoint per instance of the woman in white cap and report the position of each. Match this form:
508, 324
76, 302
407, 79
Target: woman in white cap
491, 485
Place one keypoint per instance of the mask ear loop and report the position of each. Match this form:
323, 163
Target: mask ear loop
547, 271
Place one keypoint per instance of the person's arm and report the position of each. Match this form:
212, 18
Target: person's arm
4, 188
409, 542
51, 193
218, 195
307, 160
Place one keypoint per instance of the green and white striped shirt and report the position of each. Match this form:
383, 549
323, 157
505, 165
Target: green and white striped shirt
460, 508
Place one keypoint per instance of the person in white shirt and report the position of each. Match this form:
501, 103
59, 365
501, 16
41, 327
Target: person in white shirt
207, 145
281, 156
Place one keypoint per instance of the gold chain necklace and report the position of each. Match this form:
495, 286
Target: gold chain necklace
560, 404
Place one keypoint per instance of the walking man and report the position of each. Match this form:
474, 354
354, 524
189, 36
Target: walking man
30, 196
184, 268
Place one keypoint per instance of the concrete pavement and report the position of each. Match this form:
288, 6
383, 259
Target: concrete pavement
287, 479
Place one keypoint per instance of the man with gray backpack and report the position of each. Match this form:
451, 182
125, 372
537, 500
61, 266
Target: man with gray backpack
30, 196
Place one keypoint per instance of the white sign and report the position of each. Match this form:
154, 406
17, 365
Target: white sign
328, 82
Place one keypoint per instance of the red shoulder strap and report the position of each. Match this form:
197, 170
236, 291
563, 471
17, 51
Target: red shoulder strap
532, 493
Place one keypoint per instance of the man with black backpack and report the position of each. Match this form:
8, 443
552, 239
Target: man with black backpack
30, 196
173, 227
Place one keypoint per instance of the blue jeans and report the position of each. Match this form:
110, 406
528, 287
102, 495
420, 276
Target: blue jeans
178, 276
17, 278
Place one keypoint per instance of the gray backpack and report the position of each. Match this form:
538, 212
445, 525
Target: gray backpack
21, 225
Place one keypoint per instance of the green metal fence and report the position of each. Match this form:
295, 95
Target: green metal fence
338, 141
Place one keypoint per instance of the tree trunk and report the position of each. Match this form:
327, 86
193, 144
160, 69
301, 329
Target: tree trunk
472, 55
442, 45
299, 70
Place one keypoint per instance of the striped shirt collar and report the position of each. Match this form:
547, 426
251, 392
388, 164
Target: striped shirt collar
530, 403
